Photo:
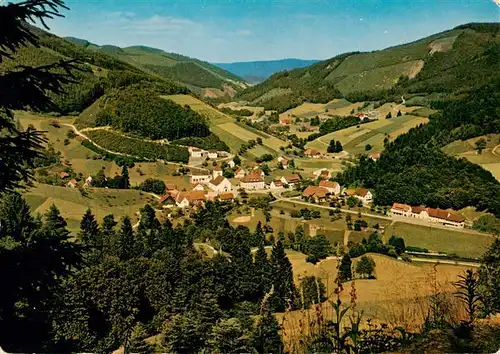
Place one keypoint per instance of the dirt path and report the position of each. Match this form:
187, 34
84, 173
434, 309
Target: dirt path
494, 150
347, 233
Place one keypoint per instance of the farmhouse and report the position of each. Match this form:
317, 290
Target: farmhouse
285, 121
291, 180
88, 182
240, 173
64, 175
196, 152
364, 195
202, 177
322, 174
217, 171
220, 184
276, 185
72, 184
212, 154
169, 199
316, 193
253, 181
191, 198
258, 171
332, 187
438, 216
374, 156
315, 154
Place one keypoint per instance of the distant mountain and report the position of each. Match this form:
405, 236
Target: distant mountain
448, 62
200, 76
258, 71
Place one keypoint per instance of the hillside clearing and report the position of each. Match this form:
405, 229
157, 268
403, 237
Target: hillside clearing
73, 205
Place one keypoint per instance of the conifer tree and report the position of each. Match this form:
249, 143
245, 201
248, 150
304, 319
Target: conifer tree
345, 268
89, 230
125, 243
282, 279
148, 219
25, 87
265, 337
262, 270
338, 146
137, 343
124, 179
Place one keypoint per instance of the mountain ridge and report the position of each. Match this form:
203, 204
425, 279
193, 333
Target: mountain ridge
198, 75
259, 70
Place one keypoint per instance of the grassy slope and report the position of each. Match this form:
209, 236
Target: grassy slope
227, 129
453, 60
189, 71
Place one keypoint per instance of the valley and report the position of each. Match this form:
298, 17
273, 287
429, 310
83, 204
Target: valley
154, 202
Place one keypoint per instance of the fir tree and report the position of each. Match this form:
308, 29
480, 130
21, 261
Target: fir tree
148, 219
125, 243
265, 337
345, 268
124, 179
331, 146
89, 230
137, 343
262, 270
284, 295
338, 146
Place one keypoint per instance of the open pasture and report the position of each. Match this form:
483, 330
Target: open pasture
354, 139
72, 204
213, 115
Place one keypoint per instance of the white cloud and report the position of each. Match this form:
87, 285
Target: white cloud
155, 24
497, 2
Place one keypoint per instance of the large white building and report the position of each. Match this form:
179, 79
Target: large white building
438, 216
253, 181
220, 185
202, 177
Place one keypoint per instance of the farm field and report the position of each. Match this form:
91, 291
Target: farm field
226, 128
73, 205
56, 136
354, 139
489, 159
398, 295
438, 239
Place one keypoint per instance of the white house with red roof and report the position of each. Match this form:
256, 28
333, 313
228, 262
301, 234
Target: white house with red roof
332, 187
203, 177
291, 180
438, 216
253, 181
240, 173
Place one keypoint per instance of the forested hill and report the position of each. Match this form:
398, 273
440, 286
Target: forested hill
460, 59
198, 75
131, 97
258, 71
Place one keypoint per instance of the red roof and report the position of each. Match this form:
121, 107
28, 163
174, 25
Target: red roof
170, 186
252, 178
285, 120
362, 192
319, 192
328, 184
293, 178
402, 207
171, 194
312, 152
444, 215
63, 174
218, 168
278, 183
191, 196
226, 196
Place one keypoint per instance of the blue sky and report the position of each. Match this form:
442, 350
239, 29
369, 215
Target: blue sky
239, 30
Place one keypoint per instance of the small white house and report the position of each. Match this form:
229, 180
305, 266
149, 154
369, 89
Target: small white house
276, 185
203, 177
196, 152
212, 154
72, 184
231, 164
220, 185
88, 182
291, 180
240, 173
364, 195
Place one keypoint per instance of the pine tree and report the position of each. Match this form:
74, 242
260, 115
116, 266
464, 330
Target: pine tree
345, 268
331, 146
282, 279
338, 146
265, 337
25, 87
137, 343
262, 270
90, 234
124, 180
489, 273
148, 219
125, 243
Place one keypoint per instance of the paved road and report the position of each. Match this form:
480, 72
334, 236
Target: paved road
393, 218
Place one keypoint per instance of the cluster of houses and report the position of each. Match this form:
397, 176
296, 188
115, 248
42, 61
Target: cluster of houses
432, 215
327, 189
73, 183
